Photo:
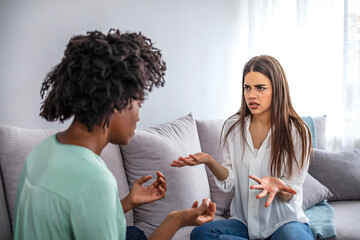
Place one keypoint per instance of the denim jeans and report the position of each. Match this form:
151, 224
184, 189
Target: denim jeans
133, 233
233, 229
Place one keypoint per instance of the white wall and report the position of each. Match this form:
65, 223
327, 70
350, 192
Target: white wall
199, 40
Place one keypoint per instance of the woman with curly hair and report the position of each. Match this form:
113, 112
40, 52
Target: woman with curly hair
65, 189
266, 143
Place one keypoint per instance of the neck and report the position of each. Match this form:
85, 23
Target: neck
262, 119
77, 134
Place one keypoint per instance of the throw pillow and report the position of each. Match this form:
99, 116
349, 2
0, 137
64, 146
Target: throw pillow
311, 125
209, 134
320, 126
338, 171
154, 149
314, 192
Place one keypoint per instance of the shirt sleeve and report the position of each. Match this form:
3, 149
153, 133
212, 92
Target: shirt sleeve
96, 211
228, 184
298, 173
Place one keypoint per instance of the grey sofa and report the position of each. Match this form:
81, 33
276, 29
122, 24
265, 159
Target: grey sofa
150, 150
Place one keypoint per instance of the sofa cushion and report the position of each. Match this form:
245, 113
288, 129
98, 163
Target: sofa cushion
209, 134
154, 149
338, 171
16, 143
347, 219
314, 192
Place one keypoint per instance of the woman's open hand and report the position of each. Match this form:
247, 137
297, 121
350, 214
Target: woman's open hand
191, 160
271, 186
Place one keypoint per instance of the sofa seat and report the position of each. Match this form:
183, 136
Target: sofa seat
347, 219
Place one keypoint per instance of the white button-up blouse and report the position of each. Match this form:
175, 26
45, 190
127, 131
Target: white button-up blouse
242, 160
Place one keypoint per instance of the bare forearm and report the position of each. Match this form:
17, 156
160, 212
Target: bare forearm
217, 169
126, 204
167, 228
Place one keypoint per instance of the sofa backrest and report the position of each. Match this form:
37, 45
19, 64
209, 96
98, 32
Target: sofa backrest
5, 228
16, 143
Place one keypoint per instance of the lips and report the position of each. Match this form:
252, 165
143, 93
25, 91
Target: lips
253, 105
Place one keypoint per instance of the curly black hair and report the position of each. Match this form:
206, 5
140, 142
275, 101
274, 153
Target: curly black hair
99, 73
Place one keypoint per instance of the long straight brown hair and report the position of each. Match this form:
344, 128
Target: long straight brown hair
283, 117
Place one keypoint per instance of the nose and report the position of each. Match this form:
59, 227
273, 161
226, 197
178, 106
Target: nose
252, 94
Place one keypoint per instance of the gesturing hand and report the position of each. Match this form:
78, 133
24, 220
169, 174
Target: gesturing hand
196, 215
140, 194
271, 186
191, 160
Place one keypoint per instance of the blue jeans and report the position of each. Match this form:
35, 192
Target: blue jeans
133, 233
233, 229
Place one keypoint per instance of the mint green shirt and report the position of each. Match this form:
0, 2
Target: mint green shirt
67, 192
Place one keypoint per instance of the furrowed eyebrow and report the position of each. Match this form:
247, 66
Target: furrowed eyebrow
258, 85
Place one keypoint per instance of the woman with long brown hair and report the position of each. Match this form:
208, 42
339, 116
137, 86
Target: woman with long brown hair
266, 153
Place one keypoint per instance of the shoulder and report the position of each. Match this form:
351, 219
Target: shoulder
99, 185
43, 146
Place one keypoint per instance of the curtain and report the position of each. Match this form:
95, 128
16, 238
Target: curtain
351, 82
317, 43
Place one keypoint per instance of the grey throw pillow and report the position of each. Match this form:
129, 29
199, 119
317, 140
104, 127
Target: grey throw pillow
209, 135
338, 171
154, 149
314, 192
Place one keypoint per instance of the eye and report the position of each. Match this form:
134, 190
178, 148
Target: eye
246, 87
261, 88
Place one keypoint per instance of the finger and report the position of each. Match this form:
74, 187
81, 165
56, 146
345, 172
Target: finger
143, 179
213, 210
270, 199
160, 174
208, 204
162, 191
176, 165
262, 194
180, 162
204, 205
163, 183
260, 187
190, 162
255, 178
289, 189
184, 158
195, 204
195, 157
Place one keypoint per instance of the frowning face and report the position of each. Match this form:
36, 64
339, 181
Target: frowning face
258, 93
